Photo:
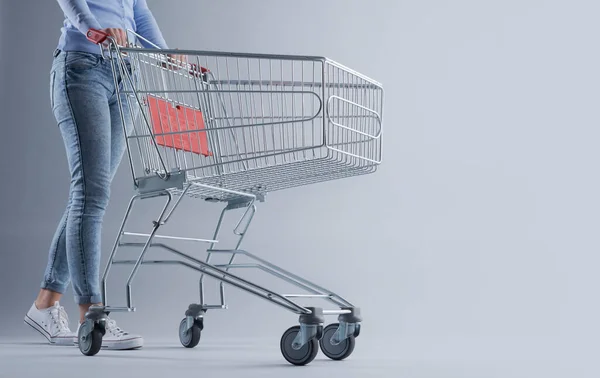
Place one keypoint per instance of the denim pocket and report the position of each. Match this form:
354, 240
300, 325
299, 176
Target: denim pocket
76, 61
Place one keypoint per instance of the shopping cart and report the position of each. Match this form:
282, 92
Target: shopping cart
229, 128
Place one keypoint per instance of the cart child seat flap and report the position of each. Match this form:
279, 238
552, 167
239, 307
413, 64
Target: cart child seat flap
185, 121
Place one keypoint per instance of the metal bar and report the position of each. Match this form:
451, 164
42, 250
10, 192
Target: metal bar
139, 103
147, 147
145, 262
214, 307
251, 196
336, 312
262, 106
115, 247
227, 274
351, 71
239, 160
251, 209
275, 84
209, 114
223, 276
295, 282
172, 262
247, 126
239, 103
324, 78
157, 224
225, 251
171, 237
129, 154
354, 155
306, 285
168, 216
162, 52
237, 266
118, 309
222, 292
219, 138
290, 84
320, 289
209, 255
347, 102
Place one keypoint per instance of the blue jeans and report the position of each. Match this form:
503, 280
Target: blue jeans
84, 102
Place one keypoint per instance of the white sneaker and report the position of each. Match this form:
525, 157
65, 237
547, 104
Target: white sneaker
117, 339
52, 323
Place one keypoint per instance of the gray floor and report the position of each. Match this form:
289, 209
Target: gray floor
32, 358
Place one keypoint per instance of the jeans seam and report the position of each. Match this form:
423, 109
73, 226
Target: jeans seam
55, 252
81, 252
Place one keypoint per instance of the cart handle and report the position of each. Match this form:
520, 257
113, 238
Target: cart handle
97, 36
194, 69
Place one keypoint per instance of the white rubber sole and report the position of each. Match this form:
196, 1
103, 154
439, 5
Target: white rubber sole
135, 342
57, 340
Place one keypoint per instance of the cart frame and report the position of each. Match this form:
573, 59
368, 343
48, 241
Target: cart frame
177, 178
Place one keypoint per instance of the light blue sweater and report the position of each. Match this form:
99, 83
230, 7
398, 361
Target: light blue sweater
82, 15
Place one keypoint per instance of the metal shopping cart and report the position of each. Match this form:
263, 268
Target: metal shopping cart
229, 128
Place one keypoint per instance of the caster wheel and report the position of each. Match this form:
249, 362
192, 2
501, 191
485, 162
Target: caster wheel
189, 337
90, 345
336, 352
300, 357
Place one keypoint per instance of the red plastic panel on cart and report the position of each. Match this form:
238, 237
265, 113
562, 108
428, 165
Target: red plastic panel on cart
167, 118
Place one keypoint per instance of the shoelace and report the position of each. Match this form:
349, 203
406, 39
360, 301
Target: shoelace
61, 319
111, 326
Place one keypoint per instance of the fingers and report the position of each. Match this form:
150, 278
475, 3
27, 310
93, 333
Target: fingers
119, 35
112, 34
176, 61
122, 37
179, 58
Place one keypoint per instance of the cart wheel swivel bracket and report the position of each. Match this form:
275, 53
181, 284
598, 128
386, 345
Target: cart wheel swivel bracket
311, 326
195, 315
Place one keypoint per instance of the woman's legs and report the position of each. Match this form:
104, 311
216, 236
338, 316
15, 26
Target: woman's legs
80, 92
81, 109
57, 269
86, 109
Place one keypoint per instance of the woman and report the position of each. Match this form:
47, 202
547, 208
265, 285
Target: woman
82, 94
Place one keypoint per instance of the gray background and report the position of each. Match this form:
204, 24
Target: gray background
473, 249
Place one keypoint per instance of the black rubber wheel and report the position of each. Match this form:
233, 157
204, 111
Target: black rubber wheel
336, 352
91, 344
189, 337
300, 357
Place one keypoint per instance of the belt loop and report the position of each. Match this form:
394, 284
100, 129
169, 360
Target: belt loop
57, 52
